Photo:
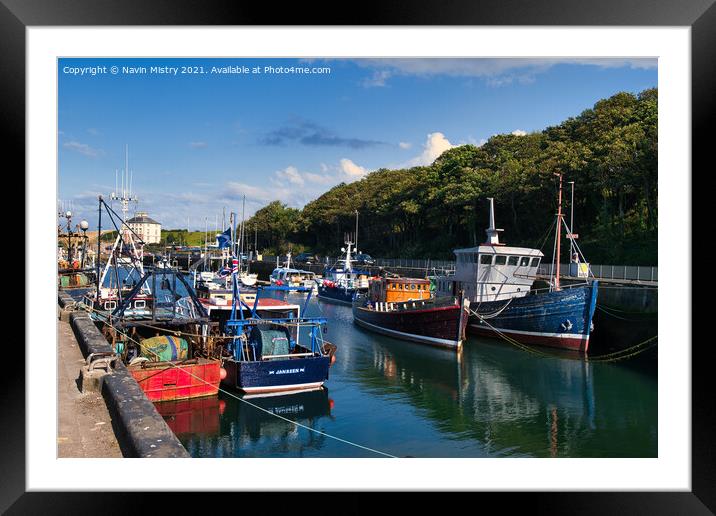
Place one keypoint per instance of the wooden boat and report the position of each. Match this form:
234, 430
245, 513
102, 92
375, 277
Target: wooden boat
498, 279
405, 309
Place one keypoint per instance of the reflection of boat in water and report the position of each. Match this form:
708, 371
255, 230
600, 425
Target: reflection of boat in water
199, 416
511, 403
262, 422
253, 429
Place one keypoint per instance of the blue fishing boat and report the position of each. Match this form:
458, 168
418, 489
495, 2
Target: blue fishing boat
342, 282
267, 354
498, 280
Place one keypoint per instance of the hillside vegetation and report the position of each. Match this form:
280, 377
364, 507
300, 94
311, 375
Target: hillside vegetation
609, 151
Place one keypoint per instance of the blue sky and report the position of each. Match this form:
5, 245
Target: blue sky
199, 142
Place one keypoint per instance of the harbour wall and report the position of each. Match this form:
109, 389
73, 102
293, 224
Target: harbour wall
142, 431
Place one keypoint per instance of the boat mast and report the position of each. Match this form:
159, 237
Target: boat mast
559, 231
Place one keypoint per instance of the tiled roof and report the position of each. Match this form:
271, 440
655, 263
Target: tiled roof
142, 219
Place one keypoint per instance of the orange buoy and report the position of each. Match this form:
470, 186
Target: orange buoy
222, 406
330, 403
222, 373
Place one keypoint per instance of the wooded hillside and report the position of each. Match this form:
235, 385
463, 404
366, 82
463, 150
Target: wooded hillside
609, 151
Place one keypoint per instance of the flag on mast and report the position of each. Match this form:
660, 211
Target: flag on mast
224, 239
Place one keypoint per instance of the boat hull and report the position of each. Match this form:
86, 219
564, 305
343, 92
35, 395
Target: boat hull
441, 326
343, 296
275, 376
166, 381
559, 319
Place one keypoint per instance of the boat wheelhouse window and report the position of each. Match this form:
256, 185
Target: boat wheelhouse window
486, 259
524, 261
140, 304
412, 287
535, 262
500, 260
513, 260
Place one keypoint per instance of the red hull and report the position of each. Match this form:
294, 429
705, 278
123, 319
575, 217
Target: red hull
442, 326
570, 342
166, 381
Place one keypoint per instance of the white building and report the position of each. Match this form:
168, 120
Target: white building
148, 229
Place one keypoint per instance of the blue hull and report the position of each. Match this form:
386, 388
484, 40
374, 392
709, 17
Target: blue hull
343, 296
560, 319
267, 376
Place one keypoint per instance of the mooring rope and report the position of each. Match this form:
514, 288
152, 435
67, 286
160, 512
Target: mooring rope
609, 357
296, 423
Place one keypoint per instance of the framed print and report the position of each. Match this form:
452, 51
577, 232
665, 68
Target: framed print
281, 248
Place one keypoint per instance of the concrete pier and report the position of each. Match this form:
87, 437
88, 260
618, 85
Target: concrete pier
137, 426
84, 424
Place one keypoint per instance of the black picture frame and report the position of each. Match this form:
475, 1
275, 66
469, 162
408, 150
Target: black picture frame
700, 15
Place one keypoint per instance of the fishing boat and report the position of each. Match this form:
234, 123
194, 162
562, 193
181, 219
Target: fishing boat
72, 270
498, 281
217, 296
404, 308
288, 276
342, 282
123, 269
274, 355
167, 348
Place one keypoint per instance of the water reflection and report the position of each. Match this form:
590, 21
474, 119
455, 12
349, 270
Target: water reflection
198, 416
250, 428
516, 403
492, 400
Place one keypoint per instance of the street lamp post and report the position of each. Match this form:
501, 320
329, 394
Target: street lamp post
571, 224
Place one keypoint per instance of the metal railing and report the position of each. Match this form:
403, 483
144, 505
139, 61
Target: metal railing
614, 272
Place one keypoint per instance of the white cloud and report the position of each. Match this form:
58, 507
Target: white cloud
351, 170
378, 79
321, 179
434, 146
236, 191
198, 145
292, 175
405, 145
82, 148
519, 132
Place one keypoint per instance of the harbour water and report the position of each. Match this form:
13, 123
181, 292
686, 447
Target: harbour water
409, 400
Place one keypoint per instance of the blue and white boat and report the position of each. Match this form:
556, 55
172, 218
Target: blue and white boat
341, 282
272, 354
296, 280
498, 281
